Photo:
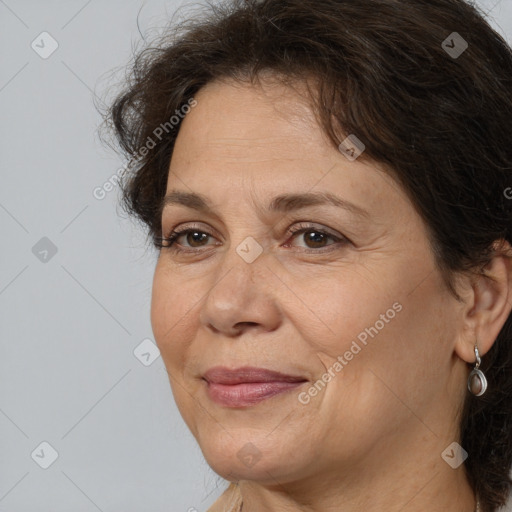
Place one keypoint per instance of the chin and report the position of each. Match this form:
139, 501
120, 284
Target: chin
245, 455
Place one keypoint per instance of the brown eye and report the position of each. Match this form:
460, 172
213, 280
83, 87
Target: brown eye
196, 237
193, 238
317, 239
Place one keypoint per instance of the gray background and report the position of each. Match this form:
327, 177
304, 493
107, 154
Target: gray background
70, 321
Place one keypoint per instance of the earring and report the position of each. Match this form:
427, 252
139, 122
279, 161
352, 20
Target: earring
477, 383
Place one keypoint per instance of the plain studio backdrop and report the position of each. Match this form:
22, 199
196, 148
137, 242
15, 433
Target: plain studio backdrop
87, 419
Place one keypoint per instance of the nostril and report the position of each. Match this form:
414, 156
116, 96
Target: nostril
241, 325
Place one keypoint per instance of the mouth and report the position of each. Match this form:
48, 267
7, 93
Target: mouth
243, 387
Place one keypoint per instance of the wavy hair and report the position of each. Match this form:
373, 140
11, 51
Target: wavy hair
440, 123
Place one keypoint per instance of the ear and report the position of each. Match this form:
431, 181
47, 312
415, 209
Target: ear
488, 304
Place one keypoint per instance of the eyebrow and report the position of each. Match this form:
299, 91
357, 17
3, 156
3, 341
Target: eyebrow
282, 203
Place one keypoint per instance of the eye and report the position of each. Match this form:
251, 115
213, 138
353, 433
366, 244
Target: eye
314, 238
193, 236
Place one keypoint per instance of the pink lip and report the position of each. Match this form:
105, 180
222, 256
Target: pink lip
247, 386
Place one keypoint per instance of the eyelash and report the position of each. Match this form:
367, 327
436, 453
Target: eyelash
169, 241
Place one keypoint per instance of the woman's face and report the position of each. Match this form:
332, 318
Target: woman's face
354, 303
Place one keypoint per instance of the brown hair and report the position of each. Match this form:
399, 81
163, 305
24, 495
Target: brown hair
440, 123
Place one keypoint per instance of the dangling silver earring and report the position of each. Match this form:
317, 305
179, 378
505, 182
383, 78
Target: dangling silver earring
477, 383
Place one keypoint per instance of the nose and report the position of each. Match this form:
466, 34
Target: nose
241, 297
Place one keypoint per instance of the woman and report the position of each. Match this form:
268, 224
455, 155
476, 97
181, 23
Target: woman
328, 184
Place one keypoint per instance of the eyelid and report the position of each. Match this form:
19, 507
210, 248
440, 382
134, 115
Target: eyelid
199, 226
308, 225
298, 228
182, 230
304, 227
295, 227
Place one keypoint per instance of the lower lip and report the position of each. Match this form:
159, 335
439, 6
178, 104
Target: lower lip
247, 394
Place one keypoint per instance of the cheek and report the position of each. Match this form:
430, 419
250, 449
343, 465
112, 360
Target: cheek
341, 307
401, 361
391, 342
171, 316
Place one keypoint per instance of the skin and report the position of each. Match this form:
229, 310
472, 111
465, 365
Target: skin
372, 438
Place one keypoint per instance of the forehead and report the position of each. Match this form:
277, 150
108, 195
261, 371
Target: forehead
242, 121
264, 141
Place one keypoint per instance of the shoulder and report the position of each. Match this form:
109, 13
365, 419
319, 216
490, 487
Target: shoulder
229, 501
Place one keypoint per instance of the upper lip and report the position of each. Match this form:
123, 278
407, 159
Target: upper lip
227, 376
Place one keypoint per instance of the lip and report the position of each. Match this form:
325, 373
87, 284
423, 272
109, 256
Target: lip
246, 386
